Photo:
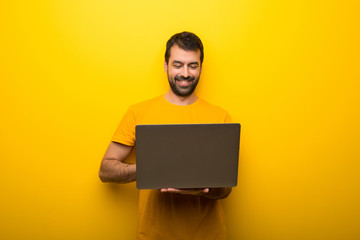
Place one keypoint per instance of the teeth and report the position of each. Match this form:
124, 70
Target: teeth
183, 81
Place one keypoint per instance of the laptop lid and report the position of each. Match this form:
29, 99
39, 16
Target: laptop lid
187, 155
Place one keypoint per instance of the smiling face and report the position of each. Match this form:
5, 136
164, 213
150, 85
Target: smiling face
183, 71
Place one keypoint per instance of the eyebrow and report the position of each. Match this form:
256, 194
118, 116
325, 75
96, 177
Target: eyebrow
179, 62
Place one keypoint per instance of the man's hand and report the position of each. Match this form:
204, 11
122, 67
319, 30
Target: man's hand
186, 191
210, 193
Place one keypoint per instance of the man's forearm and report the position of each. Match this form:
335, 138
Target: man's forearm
217, 193
112, 170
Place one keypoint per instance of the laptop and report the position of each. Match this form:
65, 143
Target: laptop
187, 155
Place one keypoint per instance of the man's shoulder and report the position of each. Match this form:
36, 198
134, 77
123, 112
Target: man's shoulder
145, 104
214, 112
210, 106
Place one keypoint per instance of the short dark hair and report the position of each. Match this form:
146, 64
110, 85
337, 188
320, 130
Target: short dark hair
187, 41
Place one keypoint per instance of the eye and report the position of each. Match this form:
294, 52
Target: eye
193, 66
177, 66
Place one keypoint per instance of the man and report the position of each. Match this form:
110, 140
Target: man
171, 213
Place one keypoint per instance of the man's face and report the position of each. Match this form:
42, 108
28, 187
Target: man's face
183, 70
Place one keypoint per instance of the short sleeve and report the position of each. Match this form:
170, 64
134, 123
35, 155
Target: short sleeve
228, 118
125, 133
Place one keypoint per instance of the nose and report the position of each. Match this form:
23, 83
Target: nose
185, 72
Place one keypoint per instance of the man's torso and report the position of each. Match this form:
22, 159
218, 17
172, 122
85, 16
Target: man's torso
169, 215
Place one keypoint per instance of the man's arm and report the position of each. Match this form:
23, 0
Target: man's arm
113, 168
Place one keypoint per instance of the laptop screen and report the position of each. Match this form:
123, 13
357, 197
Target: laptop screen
187, 155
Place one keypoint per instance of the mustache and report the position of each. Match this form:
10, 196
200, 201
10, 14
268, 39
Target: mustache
189, 78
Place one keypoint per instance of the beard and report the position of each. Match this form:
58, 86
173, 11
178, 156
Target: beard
183, 91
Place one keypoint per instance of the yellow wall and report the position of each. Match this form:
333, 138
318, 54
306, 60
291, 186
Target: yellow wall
288, 71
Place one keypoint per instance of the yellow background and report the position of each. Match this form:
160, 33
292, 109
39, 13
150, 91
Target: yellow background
288, 71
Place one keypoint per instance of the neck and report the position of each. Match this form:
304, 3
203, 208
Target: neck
178, 100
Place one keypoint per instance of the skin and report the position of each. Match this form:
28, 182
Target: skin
182, 64
113, 168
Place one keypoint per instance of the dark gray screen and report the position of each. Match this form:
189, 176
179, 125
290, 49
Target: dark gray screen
187, 155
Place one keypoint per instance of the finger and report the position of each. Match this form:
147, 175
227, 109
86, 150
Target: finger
200, 190
174, 190
169, 190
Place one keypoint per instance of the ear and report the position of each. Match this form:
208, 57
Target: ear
165, 66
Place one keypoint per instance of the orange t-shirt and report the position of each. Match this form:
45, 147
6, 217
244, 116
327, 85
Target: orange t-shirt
170, 215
